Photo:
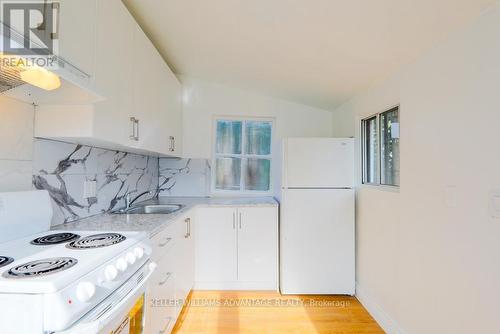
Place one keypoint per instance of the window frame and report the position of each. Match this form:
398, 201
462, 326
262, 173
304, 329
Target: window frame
243, 156
378, 176
364, 151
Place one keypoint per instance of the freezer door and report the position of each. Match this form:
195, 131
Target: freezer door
317, 249
318, 163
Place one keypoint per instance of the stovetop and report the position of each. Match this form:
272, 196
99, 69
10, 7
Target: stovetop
40, 268
50, 261
54, 239
5, 260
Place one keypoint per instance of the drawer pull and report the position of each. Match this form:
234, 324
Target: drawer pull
167, 240
164, 330
167, 277
188, 227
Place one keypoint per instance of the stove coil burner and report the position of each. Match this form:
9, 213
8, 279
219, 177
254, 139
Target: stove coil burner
54, 239
5, 260
96, 241
41, 267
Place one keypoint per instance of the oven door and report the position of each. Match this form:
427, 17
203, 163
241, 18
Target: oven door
120, 313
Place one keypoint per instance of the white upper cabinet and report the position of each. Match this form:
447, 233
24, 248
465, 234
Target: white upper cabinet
151, 115
113, 76
141, 111
76, 33
172, 99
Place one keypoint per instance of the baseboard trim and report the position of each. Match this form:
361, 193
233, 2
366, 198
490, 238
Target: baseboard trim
388, 324
271, 286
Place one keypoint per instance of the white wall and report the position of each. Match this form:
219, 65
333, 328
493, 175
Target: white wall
428, 257
16, 145
204, 101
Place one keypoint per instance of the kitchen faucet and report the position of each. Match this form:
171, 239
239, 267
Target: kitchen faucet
129, 201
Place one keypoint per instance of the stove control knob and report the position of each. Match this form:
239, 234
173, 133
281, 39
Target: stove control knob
130, 257
121, 264
85, 291
110, 273
139, 252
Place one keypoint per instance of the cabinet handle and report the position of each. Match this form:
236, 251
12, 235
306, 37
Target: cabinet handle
172, 143
167, 277
240, 220
164, 330
188, 227
167, 240
132, 128
135, 129
234, 220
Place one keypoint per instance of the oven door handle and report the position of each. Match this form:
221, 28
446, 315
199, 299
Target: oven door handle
93, 327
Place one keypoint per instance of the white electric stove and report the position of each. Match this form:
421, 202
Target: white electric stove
68, 282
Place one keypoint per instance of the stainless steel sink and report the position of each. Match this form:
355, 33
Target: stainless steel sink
152, 208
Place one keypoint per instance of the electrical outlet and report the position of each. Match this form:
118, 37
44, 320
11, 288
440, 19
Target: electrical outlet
89, 189
450, 196
495, 203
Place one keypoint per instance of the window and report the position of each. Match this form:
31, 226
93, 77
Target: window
242, 155
380, 141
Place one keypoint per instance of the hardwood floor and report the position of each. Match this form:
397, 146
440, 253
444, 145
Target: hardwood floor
242, 312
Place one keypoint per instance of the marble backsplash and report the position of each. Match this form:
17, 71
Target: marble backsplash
63, 168
184, 177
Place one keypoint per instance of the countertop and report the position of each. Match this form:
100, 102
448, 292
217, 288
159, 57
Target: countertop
154, 223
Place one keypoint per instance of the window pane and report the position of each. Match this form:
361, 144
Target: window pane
370, 145
257, 174
258, 138
227, 173
389, 144
228, 137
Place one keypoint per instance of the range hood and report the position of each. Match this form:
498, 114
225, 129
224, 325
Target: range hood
62, 83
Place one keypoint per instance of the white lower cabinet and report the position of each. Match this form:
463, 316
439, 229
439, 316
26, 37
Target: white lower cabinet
236, 248
184, 255
216, 257
168, 288
229, 248
257, 245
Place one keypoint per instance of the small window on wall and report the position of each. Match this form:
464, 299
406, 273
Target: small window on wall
242, 156
380, 141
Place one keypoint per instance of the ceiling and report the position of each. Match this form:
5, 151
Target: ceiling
315, 52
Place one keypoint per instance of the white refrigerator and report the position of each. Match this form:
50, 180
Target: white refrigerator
317, 227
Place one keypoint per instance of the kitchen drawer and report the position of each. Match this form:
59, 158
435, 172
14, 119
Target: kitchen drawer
164, 241
161, 308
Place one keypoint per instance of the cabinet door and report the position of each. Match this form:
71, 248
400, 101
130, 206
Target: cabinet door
257, 244
215, 245
172, 106
185, 262
113, 76
146, 92
76, 33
